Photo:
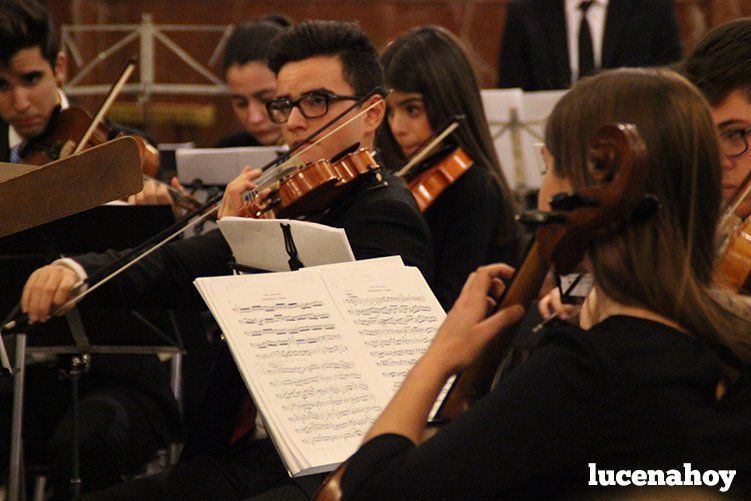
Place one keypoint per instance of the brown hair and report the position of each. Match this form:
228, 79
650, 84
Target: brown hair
433, 61
666, 262
721, 62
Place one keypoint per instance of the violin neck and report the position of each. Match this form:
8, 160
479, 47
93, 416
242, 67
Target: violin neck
477, 380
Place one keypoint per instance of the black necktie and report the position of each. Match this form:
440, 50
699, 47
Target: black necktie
586, 53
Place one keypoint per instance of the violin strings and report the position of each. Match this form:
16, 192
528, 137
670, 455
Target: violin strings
275, 176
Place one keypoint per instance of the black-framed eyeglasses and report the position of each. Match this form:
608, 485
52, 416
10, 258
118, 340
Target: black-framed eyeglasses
312, 104
734, 142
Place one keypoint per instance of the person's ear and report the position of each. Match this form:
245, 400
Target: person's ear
375, 115
60, 68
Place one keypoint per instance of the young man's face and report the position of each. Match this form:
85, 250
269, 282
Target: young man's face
28, 91
250, 86
731, 117
324, 73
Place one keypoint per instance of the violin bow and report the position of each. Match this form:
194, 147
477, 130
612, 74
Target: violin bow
136, 254
130, 67
425, 150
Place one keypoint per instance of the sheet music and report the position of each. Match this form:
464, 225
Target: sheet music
323, 353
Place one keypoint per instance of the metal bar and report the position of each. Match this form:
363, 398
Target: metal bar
147, 59
14, 480
105, 349
102, 56
128, 27
187, 58
157, 88
221, 44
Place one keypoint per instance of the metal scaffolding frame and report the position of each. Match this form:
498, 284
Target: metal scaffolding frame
148, 35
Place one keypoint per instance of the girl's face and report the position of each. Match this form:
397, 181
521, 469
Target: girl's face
408, 120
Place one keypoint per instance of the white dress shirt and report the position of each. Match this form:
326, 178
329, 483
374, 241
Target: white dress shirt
596, 16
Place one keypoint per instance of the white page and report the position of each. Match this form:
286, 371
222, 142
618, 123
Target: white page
287, 339
323, 353
260, 242
375, 261
393, 313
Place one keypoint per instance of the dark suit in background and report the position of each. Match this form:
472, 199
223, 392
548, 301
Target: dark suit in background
534, 51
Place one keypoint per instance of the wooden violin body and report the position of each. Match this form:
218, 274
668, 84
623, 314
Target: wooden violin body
734, 266
429, 184
312, 188
65, 130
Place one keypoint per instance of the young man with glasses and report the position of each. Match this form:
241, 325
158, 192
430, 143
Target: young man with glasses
720, 66
320, 67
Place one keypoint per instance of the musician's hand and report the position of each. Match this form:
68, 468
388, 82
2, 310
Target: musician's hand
468, 328
153, 193
551, 304
47, 289
232, 202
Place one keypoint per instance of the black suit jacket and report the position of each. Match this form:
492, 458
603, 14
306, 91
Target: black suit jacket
379, 220
4, 146
534, 52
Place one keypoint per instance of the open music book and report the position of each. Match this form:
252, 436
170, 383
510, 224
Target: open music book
322, 350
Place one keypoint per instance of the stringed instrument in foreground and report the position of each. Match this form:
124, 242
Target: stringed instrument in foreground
618, 161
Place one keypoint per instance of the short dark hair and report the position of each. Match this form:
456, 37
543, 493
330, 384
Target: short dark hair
25, 24
250, 42
360, 63
721, 62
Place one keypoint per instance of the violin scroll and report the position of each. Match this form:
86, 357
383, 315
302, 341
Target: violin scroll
618, 162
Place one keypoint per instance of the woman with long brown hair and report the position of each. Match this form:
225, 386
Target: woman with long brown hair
432, 81
655, 378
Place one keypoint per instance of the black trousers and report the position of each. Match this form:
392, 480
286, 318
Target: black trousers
116, 438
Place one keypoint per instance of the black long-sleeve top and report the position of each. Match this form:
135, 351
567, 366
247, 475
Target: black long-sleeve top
466, 222
627, 394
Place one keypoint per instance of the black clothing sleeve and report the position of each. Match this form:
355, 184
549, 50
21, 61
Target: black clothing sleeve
381, 221
164, 279
548, 411
628, 393
514, 60
666, 45
465, 222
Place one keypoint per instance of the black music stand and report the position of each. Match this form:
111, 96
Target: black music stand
98, 229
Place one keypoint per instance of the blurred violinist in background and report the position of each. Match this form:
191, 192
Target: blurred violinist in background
250, 82
127, 410
720, 66
471, 213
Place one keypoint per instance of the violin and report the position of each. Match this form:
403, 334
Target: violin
429, 184
313, 187
428, 179
64, 133
734, 266
72, 130
618, 157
